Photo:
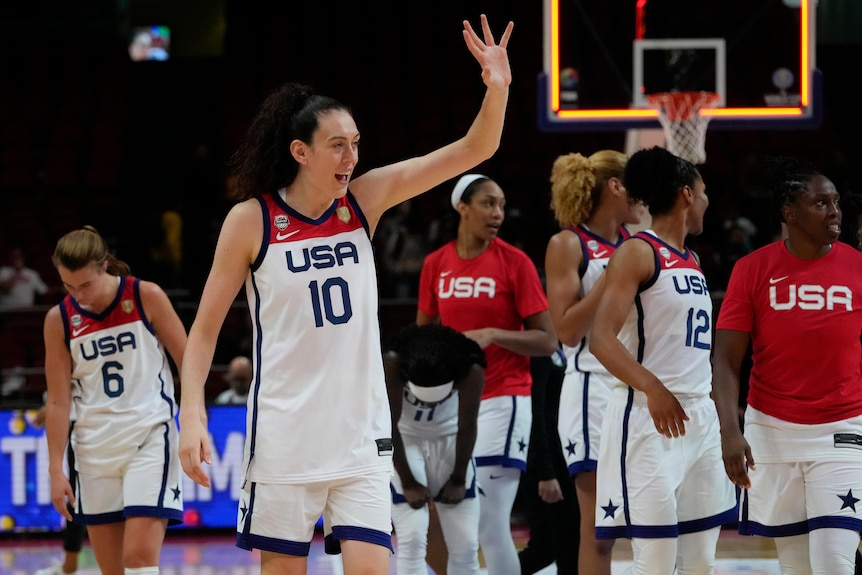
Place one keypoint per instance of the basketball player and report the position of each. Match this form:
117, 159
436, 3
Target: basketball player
490, 291
660, 478
318, 438
798, 303
109, 335
592, 206
435, 377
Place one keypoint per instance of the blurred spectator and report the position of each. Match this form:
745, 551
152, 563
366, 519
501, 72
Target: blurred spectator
167, 256
238, 377
746, 226
404, 242
737, 240
14, 380
19, 285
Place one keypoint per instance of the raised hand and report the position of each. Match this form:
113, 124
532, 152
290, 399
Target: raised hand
493, 57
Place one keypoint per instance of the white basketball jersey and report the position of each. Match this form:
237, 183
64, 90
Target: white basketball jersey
121, 378
596, 253
318, 405
418, 420
669, 329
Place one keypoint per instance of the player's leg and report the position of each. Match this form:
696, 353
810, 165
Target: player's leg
583, 400
836, 517
411, 537
502, 443
697, 552
73, 541
793, 554
411, 525
102, 497
151, 497
272, 563
363, 558
653, 556
594, 555
437, 556
359, 511
460, 525
498, 488
279, 520
706, 498
142, 541
107, 543
836, 551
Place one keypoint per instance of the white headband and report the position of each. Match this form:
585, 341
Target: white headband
431, 395
461, 185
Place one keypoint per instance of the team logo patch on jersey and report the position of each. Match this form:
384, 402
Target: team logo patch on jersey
281, 222
75, 320
592, 245
343, 214
127, 305
384, 446
848, 440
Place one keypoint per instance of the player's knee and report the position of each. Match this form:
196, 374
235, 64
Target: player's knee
463, 563
604, 547
412, 542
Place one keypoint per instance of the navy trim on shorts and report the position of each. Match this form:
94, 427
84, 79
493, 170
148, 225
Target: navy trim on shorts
332, 542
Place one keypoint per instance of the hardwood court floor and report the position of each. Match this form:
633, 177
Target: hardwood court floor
216, 555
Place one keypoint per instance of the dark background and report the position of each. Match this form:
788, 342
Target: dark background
89, 137
401, 66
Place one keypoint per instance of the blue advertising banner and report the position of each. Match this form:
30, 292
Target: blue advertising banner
25, 499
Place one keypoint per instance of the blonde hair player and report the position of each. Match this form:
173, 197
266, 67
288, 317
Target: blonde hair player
593, 209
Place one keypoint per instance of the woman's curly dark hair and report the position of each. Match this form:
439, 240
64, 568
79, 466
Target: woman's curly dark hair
434, 354
263, 163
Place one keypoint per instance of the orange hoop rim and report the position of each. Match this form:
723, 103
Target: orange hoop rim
679, 105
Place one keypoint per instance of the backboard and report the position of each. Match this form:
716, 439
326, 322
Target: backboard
603, 58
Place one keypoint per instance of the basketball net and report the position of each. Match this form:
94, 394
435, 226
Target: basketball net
684, 128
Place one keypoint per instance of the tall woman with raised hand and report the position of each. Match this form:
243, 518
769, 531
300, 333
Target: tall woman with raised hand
592, 207
319, 437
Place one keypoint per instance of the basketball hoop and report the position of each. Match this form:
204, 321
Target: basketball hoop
684, 127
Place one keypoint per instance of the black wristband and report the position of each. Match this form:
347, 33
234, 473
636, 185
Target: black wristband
455, 481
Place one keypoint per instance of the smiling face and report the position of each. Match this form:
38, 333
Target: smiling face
485, 212
814, 214
332, 156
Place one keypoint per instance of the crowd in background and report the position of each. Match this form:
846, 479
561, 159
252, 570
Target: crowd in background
140, 150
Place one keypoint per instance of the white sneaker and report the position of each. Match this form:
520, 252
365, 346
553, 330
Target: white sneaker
56, 569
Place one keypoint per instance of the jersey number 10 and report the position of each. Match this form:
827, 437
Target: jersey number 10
323, 294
